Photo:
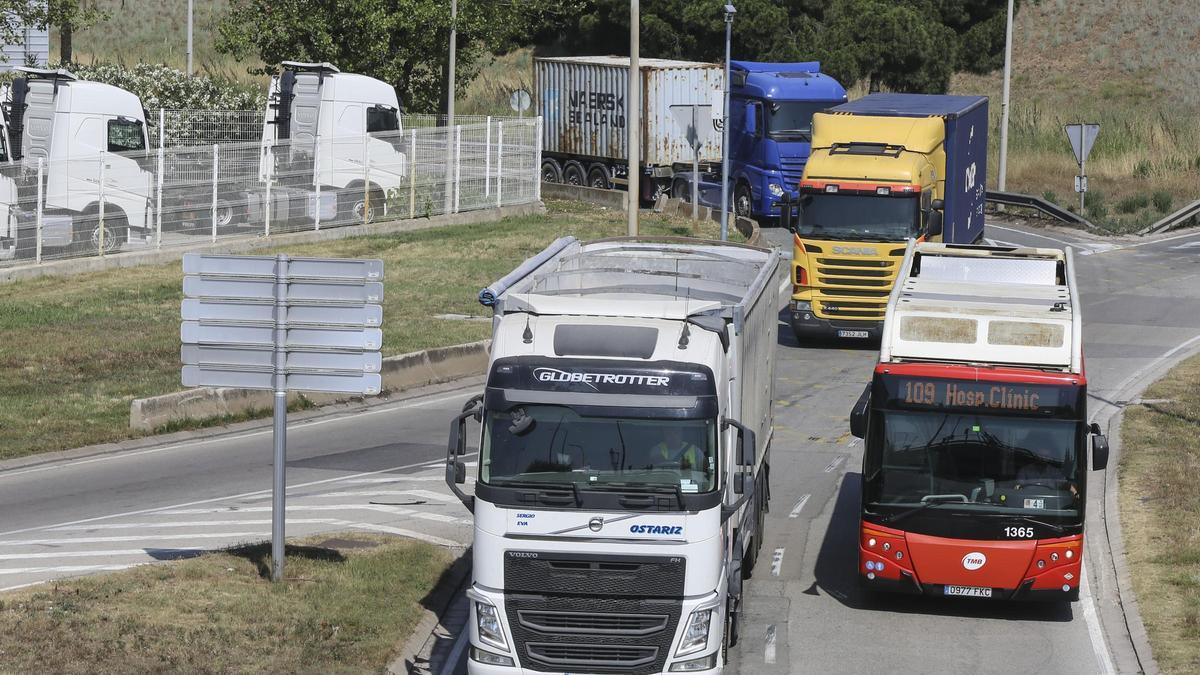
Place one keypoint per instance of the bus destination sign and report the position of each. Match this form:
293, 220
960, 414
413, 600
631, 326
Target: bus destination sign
1009, 397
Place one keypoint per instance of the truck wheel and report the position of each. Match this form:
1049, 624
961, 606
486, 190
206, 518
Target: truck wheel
598, 177
743, 200
551, 171
573, 173
681, 189
225, 213
116, 232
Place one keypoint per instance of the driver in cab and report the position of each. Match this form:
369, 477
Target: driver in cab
1046, 467
678, 451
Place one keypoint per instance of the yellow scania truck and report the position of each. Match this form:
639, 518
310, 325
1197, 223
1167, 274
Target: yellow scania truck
884, 169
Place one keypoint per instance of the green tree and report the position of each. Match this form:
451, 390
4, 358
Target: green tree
65, 15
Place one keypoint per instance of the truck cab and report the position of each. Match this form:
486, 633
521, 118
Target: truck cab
91, 138
337, 131
624, 457
884, 169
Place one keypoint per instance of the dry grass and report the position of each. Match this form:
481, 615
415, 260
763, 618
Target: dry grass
499, 76
77, 350
339, 611
1160, 514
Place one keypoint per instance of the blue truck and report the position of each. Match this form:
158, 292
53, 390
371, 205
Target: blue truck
582, 101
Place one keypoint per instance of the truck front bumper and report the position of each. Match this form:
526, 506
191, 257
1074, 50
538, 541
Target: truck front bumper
806, 325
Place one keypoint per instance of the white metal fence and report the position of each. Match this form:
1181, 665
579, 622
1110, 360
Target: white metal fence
179, 195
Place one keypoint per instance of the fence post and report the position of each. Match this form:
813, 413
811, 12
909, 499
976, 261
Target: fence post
159, 194
38, 209
216, 163
457, 165
100, 242
537, 160
268, 151
487, 159
499, 163
412, 175
317, 181
366, 180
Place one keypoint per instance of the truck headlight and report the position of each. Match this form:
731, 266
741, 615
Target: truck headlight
775, 189
483, 656
695, 636
487, 620
703, 663
802, 306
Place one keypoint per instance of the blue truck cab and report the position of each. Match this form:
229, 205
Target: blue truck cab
770, 134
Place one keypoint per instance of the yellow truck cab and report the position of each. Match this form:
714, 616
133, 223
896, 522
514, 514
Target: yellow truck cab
884, 169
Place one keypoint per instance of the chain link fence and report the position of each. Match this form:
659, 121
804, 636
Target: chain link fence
187, 193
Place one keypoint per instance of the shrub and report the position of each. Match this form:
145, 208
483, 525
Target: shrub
161, 86
1093, 202
1049, 196
1133, 203
1162, 201
1142, 169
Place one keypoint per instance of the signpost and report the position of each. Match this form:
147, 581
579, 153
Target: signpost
282, 324
519, 101
1082, 137
690, 117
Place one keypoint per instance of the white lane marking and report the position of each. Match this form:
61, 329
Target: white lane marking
380, 481
262, 432
837, 461
426, 494
105, 540
382, 508
1140, 372
1185, 235
159, 509
1039, 236
853, 442
1181, 247
192, 523
1093, 624
63, 569
460, 643
769, 648
777, 561
799, 505
20, 586
387, 529
95, 554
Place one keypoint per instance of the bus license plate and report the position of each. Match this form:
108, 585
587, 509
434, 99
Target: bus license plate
852, 334
969, 591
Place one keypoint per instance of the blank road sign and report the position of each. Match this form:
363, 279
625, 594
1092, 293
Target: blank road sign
1082, 137
328, 269
218, 288
340, 383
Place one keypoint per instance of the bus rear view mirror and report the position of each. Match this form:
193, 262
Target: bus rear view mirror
1099, 452
858, 414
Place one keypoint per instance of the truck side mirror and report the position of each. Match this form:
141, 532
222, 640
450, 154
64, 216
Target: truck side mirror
1099, 448
939, 205
858, 414
460, 472
745, 441
739, 483
933, 226
456, 470
786, 220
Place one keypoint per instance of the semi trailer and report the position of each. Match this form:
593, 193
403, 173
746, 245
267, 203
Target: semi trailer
585, 135
884, 168
624, 457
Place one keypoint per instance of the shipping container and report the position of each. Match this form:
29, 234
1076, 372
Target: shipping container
583, 103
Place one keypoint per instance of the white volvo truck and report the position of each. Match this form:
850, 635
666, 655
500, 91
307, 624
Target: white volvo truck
624, 456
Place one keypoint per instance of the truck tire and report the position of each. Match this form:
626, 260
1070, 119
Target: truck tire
573, 174
681, 189
743, 200
226, 213
86, 238
598, 177
551, 171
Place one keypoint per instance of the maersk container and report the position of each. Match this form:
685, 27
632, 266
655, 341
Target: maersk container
582, 100
966, 123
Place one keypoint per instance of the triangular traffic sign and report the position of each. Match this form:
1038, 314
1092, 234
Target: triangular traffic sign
1082, 137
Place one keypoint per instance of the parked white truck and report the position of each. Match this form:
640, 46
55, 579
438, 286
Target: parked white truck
624, 458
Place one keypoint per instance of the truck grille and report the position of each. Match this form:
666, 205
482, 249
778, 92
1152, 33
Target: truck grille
611, 634
792, 169
854, 288
566, 573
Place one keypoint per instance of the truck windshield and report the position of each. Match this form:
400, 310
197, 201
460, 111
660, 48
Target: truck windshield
984, 463
792, 120
558, 446
867, 217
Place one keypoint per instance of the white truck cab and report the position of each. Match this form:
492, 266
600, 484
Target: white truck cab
624, 456
339, 131
82, 131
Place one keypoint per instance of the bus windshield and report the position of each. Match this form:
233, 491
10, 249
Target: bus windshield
986, 463
852, 216
556, 446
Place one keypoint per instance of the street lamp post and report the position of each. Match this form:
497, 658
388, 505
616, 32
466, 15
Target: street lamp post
729, 12
634, 119
1004, 98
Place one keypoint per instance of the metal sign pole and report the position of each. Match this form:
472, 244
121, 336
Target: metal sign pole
279, 435
1082, 179
695, 166
40, 199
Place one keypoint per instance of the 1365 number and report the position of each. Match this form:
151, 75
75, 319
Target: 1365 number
1019, 532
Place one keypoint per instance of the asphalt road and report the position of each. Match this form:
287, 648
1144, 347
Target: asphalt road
379, 469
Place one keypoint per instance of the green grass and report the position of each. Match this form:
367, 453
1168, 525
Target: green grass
1160, 514
77, 350
340, 610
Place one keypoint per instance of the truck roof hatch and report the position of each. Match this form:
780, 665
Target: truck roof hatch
47, 73
301, 67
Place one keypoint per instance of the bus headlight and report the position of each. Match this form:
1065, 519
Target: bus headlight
775, 189
488, 624
695, 636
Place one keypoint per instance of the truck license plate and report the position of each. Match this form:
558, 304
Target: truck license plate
852, 334
969, 591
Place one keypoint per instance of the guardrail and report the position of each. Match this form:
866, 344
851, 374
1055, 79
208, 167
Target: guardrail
1191, 211
1029, 201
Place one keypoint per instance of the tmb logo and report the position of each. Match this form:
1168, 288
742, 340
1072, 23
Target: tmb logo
974, 560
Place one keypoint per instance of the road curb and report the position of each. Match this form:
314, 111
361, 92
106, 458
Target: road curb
1126, 600
400, 373
457, 575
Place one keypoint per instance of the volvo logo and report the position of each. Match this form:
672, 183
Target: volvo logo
596, 524
855, 250
974, 560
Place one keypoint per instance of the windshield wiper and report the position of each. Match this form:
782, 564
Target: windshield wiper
926, 502
642, 487
1058, 529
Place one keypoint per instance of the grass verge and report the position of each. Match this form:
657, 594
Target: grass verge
77, 350
1160, 514
344, 607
